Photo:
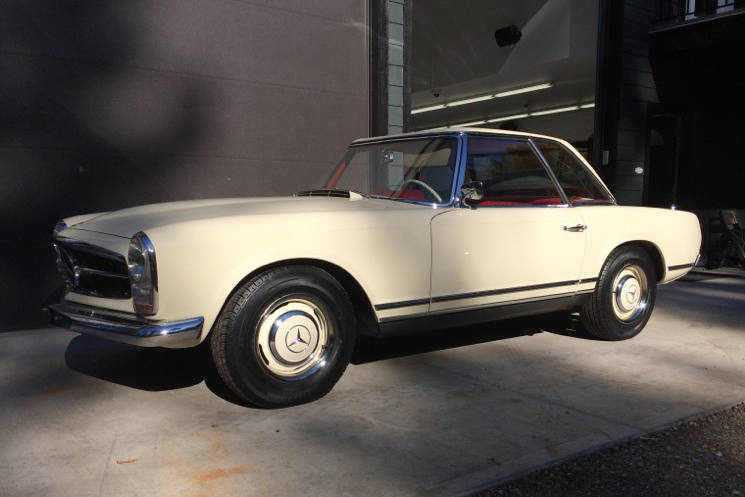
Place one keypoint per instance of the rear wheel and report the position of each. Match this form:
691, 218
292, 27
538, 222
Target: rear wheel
624, 296
285, 337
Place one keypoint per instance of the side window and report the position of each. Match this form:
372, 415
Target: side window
579, 184
511, 173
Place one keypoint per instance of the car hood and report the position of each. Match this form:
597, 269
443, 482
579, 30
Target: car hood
127, 222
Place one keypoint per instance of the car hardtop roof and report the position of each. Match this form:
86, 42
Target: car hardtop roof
456, 132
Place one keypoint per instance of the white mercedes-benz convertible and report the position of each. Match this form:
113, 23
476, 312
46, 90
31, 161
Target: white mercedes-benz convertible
410, 232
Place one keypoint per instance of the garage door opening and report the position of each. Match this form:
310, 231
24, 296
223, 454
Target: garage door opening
525, 65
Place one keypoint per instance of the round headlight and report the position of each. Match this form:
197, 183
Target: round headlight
143, 277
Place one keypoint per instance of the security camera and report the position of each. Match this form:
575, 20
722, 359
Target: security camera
507, 36
435, 92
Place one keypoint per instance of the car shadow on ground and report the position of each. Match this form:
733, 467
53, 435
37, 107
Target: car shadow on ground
370, 349
713, 274
158, 369
150, 369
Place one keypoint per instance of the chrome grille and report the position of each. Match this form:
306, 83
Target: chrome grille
91, 270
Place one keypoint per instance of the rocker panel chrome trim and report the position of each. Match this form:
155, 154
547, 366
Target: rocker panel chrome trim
501, 291
487, 293
398, 305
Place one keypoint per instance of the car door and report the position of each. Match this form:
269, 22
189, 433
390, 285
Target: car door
520, 243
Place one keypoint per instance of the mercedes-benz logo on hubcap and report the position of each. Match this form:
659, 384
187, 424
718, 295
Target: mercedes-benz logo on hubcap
631, 294
297, 339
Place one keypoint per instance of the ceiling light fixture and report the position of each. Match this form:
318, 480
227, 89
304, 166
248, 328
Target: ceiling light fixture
554, 111
524, 89
427, 109
467, 125
483, 98
507, 118
470, 100
523, 116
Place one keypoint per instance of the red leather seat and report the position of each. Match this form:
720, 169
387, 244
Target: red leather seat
408, 194
547, 201
487, 203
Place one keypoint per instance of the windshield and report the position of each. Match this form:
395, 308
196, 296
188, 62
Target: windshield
418, 170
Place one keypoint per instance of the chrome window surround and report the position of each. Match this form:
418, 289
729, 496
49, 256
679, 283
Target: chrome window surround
459, 173
460, 178
599, 184
551, 174
530, 140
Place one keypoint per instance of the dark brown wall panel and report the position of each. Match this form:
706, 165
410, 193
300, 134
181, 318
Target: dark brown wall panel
106, 104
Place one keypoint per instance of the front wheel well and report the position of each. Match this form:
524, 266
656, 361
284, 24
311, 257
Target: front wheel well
367, 323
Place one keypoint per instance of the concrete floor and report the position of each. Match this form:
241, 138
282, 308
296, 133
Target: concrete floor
439, 414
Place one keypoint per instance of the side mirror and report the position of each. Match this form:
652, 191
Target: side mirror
473, 190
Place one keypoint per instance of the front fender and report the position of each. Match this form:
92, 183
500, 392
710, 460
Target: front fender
200, 264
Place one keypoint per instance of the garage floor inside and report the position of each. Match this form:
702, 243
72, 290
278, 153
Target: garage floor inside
438, 414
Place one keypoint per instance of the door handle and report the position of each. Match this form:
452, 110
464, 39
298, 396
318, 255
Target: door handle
576, 228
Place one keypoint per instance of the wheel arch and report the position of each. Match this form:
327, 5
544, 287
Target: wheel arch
654, 253
367, 323
623, 299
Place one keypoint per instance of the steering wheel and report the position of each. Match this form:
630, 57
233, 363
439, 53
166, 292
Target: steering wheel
426, 187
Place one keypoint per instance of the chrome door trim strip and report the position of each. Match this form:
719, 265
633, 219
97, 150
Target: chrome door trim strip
483, 293
501, 291
398, 305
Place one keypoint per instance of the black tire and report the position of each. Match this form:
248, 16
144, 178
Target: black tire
285, 337
624, 296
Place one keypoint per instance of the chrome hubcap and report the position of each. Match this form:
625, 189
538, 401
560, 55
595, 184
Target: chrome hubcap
293, 338
630, 293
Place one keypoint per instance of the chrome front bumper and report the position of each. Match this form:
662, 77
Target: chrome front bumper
126, 328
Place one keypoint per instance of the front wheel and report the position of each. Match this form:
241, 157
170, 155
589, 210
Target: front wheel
624, 296
285, 337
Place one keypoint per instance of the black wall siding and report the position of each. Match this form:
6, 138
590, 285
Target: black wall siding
637, 88
108, 104
699, 65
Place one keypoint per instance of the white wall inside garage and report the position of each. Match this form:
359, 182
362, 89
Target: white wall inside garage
455, 57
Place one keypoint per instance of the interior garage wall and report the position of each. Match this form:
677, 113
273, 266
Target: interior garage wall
106, 104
